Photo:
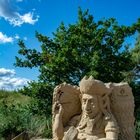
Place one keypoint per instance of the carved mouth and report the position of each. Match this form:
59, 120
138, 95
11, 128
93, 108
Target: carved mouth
88, 112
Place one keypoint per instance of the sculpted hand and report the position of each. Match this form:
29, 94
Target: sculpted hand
61, 110
58, 128
58, 109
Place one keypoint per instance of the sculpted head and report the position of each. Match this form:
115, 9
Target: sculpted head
93, 96
90, 105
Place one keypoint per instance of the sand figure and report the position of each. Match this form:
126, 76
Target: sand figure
87, 112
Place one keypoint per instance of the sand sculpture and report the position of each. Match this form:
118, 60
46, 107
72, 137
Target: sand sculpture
93, 111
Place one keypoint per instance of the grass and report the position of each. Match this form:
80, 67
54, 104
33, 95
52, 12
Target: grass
13, 98
16, 115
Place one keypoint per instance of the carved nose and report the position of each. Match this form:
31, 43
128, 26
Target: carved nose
87, 106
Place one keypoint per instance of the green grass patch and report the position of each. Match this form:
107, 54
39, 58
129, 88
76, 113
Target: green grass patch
17, 115
13, 98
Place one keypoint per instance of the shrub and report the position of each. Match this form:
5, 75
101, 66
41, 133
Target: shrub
42, 95
16, 116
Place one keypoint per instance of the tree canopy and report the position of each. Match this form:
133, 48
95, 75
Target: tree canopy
136, 59
84, 48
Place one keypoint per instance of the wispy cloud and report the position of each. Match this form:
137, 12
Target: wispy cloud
9, 82
7, 72
17, 36
5, 39
10, 14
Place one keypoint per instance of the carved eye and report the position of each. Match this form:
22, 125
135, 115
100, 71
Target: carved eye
122, 92
92, 103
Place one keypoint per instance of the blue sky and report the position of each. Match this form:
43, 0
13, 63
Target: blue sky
19, 19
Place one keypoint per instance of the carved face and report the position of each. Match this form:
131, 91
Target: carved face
90, 105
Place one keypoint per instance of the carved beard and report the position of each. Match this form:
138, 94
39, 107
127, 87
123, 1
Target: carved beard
88, 125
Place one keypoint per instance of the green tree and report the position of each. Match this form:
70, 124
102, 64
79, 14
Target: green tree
43, 99
133, 76
84, 48
136, 59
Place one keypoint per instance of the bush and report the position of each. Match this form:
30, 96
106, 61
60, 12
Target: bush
41, 105
17, 116
42, 95
13, 120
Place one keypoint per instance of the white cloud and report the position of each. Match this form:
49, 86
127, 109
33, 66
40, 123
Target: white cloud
6, 72
17, 36
5, 39
9, 82
28, 18
21, 19
10, 14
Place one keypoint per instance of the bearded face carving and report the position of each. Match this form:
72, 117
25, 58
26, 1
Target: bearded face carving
84, 113
90, 105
